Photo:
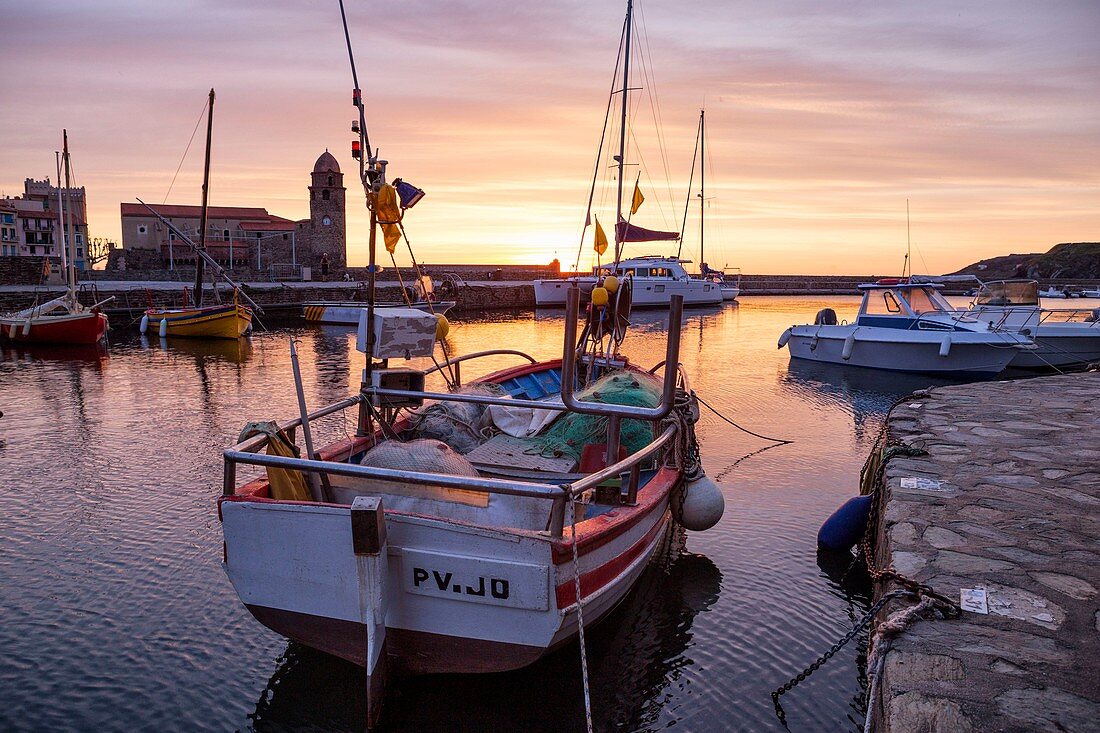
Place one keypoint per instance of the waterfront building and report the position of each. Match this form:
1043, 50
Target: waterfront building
29, 224
238, 236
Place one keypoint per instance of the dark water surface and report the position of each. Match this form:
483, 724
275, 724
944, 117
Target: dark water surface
117, 614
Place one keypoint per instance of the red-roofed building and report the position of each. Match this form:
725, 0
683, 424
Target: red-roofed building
239, 236
29, 224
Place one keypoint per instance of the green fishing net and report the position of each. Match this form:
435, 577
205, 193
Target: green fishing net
570, 433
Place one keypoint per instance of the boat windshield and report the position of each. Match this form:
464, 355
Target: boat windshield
927, 300
882, 303
1024, 292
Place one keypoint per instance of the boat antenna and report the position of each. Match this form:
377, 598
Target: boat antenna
908, 243
620, 158
201, 247
691, 179
702, 182
70, 244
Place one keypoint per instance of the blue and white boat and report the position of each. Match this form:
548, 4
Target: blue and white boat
908, 327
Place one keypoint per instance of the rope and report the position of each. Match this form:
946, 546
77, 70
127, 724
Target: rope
580, 613
185, 150
779, 441
894, 625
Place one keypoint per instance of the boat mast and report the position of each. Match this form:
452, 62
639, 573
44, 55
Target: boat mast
205, 192
70, 272
702, 182
61, 219
687, 202
622, 128
372, 175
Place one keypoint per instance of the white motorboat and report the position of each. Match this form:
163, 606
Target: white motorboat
1064, 337
909, 327
655, 279
1053, 292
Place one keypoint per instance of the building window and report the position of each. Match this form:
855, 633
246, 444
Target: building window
324, 194
330, 180
225, 234
143, 229
326, 221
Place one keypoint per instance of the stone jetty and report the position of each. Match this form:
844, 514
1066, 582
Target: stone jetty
1006, 500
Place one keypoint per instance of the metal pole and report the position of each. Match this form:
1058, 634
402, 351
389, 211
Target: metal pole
293, 247
68, 233
314, 485
622, 129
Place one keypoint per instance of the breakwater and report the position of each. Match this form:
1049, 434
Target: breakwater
1002, 505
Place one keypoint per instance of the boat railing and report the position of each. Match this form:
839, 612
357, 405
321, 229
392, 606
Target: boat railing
456, 361
247, 452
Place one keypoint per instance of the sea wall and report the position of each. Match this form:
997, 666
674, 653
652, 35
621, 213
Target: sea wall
1005, 500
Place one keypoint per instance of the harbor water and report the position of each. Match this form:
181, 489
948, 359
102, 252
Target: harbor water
117, 614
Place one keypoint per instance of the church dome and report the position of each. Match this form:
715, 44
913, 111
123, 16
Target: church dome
326, 164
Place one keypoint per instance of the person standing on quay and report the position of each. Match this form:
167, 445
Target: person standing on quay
324, 267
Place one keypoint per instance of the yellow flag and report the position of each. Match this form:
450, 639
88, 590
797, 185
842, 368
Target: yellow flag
601, 239
389, 214
638, 199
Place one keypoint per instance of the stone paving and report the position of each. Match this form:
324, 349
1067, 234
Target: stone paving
1017, 512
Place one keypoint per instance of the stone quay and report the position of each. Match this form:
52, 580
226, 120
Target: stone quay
1006, 500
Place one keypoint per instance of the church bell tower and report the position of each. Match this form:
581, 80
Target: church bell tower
326, 213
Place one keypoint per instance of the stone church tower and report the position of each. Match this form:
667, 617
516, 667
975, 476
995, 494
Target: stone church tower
327, 231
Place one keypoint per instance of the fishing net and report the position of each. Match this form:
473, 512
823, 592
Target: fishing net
429, 456
461, 425
570, 433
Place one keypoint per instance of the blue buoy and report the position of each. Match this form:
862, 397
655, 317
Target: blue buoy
845, 527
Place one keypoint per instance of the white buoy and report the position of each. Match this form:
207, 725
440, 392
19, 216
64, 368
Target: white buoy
849, 344
945, 346
784, 338
163, 327
702, 506
27, 328
144, 324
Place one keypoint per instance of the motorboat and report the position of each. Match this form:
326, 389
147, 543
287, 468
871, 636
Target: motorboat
419, 546
1053, 292
910, 327
1064, 337
655, 279
420, 296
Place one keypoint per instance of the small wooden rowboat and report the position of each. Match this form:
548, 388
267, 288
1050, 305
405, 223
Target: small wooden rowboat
229, 321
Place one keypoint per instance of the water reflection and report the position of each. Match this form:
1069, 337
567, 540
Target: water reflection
85, 353
635, 655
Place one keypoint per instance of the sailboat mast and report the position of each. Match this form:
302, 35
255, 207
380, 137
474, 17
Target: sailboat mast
205, 194
687, 201
908, 242
69, 245
702, 181
61, 217
622, 126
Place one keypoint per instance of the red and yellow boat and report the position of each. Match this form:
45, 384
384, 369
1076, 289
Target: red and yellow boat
229, 321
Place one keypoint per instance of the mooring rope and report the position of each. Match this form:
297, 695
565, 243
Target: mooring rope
580, 613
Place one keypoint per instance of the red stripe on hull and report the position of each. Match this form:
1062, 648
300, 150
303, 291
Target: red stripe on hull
88, 329
597, 578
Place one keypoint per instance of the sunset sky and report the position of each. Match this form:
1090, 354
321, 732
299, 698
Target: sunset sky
823, 119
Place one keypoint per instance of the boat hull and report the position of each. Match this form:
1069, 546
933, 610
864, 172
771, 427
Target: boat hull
78, 328
730, 293
219, 321
347, 314
963, 352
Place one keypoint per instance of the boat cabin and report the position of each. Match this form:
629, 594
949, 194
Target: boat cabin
1008, 293
652, 267
897, 303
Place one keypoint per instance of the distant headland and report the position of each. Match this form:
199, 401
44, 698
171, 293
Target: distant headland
1065, 261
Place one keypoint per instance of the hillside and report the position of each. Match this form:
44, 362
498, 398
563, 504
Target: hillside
1066, 261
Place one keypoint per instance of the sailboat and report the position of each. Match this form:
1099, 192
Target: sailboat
62, 320
656, 278
729, 285
396, 551
228, 321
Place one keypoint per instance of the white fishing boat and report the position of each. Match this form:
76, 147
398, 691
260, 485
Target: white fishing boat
420, 296
409, 548
909, 327
656, 278
1064, 337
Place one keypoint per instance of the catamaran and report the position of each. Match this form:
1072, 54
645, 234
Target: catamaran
419, 547
62, 320
656, 279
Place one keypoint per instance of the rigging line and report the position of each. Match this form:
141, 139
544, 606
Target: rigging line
654, 100
780, 441
599, 149
185, 151
687, 204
